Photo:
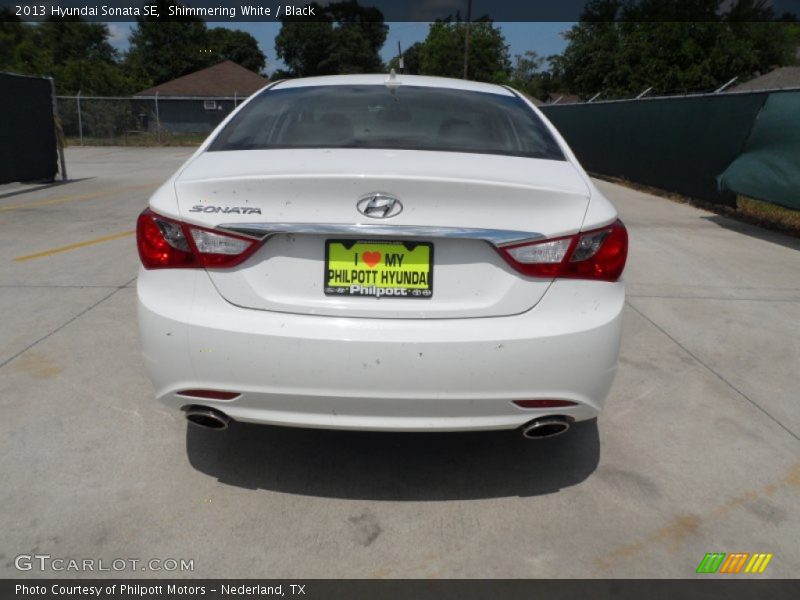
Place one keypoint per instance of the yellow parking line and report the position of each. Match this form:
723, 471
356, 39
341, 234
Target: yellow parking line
89, 196
100, 240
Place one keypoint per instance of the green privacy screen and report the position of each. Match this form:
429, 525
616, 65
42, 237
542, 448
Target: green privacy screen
676, 144
27, 132
769, 167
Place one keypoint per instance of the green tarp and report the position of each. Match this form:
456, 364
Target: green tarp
675, 144
769, 167
709, 147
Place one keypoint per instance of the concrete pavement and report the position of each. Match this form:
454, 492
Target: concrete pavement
697, 451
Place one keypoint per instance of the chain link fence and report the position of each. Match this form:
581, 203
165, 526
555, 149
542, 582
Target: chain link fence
141, 120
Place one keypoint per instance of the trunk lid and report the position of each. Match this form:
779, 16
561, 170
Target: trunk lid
314, 194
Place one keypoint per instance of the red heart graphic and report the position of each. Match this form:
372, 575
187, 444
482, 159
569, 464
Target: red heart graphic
371, 258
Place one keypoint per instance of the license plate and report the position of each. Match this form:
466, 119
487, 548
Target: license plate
379, 269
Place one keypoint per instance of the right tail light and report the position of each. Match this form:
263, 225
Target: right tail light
598, 254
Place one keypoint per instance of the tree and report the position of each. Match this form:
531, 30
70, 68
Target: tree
525, 71
344, 38
19, 51
442, 52
793, 33
238, 46
75, 53
72, 38
303, 45
279, 74
167, 47
678, 47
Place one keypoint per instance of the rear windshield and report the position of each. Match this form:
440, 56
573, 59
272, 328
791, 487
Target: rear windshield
394, 117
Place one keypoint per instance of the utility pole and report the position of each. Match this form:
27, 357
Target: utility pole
400, 57
466, 38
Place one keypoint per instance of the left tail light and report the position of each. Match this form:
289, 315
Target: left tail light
599, 254
165, 243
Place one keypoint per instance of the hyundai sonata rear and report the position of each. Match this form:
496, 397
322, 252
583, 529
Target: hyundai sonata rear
382, 253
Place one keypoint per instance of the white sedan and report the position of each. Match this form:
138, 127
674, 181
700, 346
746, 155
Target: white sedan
380, 252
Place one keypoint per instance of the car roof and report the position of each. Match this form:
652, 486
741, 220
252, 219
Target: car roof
399, 79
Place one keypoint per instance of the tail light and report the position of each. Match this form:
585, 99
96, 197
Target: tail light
166, 243
598, 254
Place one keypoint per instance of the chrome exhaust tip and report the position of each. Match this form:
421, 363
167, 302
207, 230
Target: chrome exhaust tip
208, 418
545, 427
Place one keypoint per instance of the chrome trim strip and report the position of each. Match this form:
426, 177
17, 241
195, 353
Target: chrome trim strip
497, 237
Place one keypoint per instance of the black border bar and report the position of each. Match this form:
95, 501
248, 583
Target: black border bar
395, 10
731, 588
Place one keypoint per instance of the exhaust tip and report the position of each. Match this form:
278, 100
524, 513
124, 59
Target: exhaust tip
545, 427
208, 418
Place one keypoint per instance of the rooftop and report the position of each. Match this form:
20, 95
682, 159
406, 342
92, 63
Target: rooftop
783, 77
225, 79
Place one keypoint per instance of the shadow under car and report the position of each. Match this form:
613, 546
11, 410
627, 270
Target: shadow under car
394, 466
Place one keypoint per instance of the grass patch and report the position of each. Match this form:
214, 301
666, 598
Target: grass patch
769, 213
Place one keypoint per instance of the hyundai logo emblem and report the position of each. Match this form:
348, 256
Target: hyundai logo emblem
379, 206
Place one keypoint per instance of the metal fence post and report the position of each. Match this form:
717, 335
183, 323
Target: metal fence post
158, 122
59, 131
725, 85
80, 121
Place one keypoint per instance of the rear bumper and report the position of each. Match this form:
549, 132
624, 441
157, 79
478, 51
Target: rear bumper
380, 374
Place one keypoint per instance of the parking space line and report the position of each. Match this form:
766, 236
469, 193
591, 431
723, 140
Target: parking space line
100, 240
89, 196
67, 322
713, 371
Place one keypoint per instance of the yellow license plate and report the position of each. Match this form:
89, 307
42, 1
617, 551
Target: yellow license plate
378, 269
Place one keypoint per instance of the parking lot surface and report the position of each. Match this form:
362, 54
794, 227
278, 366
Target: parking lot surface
698, 449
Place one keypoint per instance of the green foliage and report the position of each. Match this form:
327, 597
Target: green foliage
677, 47
75, 53
238, 46
78, 56
345, 38
442, 52
793, 33
168, 47
279, 74
527, 75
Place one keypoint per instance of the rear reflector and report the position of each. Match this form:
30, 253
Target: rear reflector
211, 394
165, 243
544, 403
598, 254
